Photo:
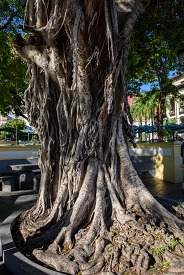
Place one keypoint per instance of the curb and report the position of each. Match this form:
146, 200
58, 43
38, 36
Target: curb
15, 261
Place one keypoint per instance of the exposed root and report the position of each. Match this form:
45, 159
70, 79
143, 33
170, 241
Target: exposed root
100, 234
126, 248
60, 263
96, 268
176, 262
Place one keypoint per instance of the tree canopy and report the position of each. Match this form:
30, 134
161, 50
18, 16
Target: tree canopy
145, 106
15, 123
11, 14
12, 70
13, 80
157, 36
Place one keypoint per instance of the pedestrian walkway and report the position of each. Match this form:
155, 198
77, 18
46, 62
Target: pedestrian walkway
165, 189
10, 202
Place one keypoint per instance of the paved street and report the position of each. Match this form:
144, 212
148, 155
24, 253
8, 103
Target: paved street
18, 154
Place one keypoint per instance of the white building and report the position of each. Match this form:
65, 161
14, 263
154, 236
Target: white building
2, 120
177, 105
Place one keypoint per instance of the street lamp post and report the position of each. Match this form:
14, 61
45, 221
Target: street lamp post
16, 133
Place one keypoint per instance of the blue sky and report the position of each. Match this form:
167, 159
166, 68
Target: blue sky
146, 87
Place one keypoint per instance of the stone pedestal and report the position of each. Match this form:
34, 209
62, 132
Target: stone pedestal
7, 183
182, 167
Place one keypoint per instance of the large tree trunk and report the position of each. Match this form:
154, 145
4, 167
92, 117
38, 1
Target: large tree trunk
93, 213
161, 114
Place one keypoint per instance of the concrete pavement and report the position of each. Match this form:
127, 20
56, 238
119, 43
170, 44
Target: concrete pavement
9, 203
165, 189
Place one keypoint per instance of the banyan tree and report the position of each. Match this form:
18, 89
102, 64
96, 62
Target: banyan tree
93, 214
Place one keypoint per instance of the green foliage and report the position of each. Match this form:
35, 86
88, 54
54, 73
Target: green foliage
174, 242
182, 242
165, 247
166, 263
12, 69
13, 123
170, 120
11, 14
12, 78
34, 138
159, 250
168, 134
157, 36
145, 105
181, 204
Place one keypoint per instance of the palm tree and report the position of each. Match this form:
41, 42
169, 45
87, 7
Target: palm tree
147, 105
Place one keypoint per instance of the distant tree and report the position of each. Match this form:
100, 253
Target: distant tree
15, 123
147, 105
13, 80
12, 70
157, 36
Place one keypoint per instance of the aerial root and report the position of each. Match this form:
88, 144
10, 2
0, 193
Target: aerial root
152, 206
82, 254
59, 262
127, 249
106, 273
96, 268
176, 262
130, 256
31, 221
142, 262
83, 240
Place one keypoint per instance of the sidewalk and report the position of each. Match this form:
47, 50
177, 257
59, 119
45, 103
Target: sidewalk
165, 189
10, 202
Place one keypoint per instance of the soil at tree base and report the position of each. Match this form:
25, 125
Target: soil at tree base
172, 206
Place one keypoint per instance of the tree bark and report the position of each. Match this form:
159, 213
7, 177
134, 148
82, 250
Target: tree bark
161, 114
93, 214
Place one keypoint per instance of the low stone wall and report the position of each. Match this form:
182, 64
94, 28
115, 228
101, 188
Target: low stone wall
159, 160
